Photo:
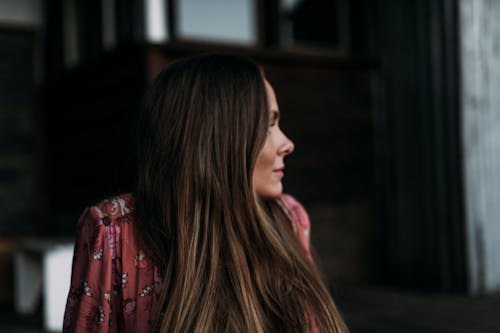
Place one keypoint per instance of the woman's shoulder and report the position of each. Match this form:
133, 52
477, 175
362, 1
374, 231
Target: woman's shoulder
112, 279
106, 223
113, 209
110, 211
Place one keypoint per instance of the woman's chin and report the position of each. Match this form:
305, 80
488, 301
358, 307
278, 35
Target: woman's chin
271, 192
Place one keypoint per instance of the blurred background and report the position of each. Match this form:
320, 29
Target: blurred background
394, 108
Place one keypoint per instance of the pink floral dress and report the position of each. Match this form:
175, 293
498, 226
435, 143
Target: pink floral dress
113, 284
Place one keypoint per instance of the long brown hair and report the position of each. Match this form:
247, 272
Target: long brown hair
230, 262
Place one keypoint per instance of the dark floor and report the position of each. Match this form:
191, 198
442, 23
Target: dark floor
10, 322
374, 310
370, 310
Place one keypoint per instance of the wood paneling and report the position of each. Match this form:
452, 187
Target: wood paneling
327, 112
89, 120
17, 132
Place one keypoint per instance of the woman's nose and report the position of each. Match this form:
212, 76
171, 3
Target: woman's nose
288, 146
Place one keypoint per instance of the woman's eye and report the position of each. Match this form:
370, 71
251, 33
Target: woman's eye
274, 119
270, 128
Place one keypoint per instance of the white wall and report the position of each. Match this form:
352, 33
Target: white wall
480, 68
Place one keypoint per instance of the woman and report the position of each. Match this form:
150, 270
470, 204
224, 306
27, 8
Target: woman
208, 242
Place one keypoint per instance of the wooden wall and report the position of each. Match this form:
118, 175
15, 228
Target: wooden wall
17, 132
327, 112
325, 97
89, 118
18, 153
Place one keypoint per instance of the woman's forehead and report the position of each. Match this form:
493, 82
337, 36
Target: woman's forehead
271, 96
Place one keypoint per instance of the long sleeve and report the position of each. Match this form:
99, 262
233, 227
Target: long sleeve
114, 285
93, 300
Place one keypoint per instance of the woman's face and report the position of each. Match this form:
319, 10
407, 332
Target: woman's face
270, 167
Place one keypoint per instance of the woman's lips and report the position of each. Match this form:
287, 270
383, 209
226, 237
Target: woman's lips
280, 171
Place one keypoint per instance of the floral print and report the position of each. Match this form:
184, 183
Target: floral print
302, 224
146, 291
98, 255
113, 283
86, 289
